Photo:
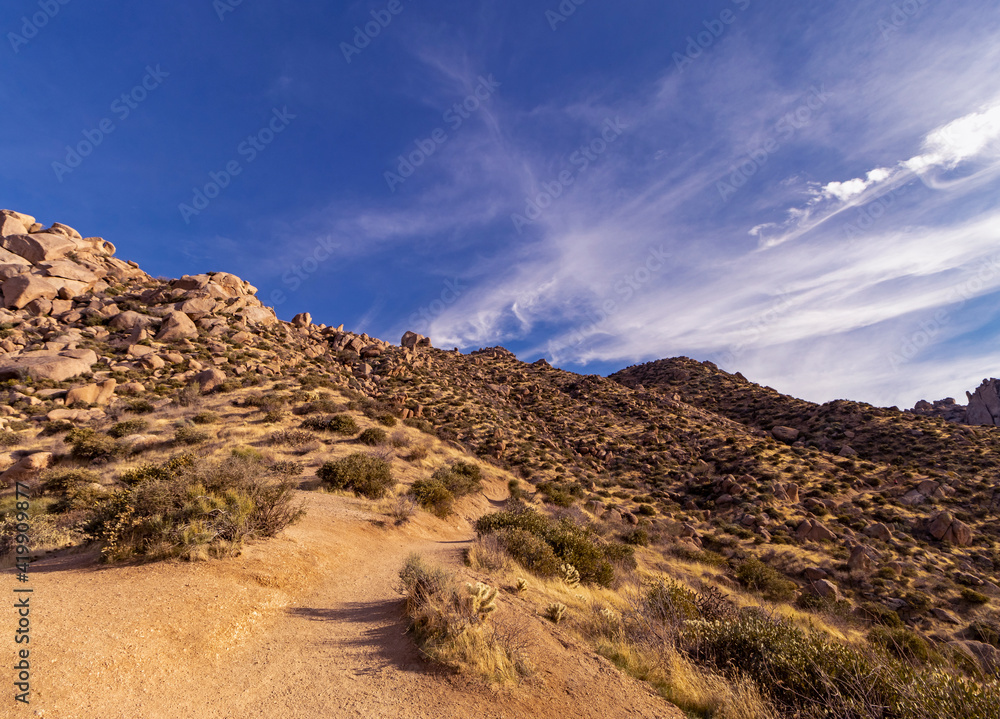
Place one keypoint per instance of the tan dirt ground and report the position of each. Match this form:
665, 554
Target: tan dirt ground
306, 625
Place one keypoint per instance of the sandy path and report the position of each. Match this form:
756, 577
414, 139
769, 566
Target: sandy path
307, 625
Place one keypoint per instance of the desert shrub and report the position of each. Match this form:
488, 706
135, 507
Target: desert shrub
338, 423
399, 439
638, 537
366, 474
167, 470
901, 642
433, 496
765, 580
985, 630
87, 443
129, 426
188, 434
451, 623
205, 417
139, 406
419, 452
875, 613
373, 436
192, 510
461, 478
668, 602
973, 597
57, 481
247, 454
291, 437
9, 439
571, 543
419, 423
57, 426
272, 416
529, 550
387, 419
325, 406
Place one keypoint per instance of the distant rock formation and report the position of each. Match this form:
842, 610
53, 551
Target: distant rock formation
983, 408
984, 405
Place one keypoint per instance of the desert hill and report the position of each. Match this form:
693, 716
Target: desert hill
175, 434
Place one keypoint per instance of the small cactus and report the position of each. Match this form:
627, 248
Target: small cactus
482, 600
522, 585
556, 612
571, 577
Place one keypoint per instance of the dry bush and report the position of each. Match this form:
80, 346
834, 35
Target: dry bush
451, 623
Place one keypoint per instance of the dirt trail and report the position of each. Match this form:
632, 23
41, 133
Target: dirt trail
307, 625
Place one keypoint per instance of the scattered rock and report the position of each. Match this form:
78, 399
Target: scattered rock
785, 434
92, 393
176, 326
209, 379
45, 364
26, 469
411, 340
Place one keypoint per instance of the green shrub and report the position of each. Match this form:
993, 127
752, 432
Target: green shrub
186, 434
571, 543
205, 417
637, 537
875, 613
433, 496
973, 597
291, 437
373, 436
366, 474
191, 509
461, 478
530, 551
63, 480
339, 423
387, 419
87, 443
139, 406
765, 580
901, 642
9, 439
129, 426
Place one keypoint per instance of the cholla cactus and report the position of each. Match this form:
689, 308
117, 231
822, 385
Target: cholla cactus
522, 585
482, 600
571, 577
555, 612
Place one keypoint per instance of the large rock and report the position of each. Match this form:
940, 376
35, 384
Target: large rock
814, 531
177, 326
26, 469
46, 364
67, 269
129, 320
39, 247
986, 655
19, 291
785, 434
92, 393
10, 225
945, 527
198, 307
878, 531
209, 379
303, 319
412, 340
984, 405
259, 316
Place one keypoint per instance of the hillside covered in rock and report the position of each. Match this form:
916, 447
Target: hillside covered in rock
164, 418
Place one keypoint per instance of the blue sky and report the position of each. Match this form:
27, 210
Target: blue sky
802, 191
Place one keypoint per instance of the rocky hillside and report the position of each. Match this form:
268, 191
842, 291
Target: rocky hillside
840, 515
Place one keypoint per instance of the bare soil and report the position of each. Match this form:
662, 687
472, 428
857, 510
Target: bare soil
306, 625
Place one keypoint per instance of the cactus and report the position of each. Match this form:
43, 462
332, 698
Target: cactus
556, 612
571, 577
482, 600
522, 585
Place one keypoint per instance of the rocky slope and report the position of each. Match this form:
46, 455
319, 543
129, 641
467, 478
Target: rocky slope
858, 510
